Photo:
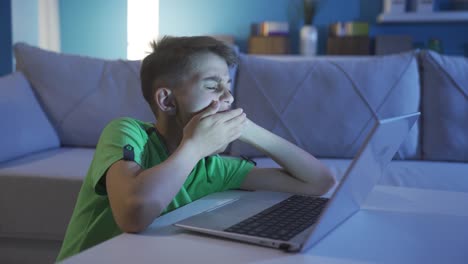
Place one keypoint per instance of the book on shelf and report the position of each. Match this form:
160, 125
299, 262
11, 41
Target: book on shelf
421, 6
394, 6
349, 38
270, 28
354, 28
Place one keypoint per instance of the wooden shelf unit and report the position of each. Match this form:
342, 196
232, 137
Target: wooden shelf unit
433, 17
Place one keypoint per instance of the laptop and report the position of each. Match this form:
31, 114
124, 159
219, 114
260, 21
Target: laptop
295, 223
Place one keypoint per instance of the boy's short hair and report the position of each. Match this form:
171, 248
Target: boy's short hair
170, 62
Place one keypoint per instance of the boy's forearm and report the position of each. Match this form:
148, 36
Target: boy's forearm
157, 186
297, 162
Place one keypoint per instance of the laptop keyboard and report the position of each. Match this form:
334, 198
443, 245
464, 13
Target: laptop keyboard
284, 220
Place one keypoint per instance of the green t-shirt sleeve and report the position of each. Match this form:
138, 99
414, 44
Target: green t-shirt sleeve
235, 170
110, 148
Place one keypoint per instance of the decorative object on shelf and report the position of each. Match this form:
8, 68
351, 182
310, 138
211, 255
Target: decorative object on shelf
270, 28
269, 37
349, 38
452, 5
308, 33
391, 44
423, 11
394, 6
421, 6
460, 4
341, 29
349, 45
435, 45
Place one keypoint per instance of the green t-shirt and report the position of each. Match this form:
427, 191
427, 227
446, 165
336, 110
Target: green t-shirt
92, 221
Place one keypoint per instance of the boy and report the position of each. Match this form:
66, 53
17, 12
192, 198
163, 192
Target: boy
141, 171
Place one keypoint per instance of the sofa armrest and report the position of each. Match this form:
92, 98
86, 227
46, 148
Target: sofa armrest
24, 126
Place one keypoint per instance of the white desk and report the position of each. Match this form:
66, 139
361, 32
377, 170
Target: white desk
398, 225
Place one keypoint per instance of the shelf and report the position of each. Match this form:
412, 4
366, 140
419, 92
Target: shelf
434, 17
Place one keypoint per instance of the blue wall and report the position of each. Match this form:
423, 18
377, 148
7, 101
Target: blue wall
231, 17
188, 17
5, 37
99, 28
94, 28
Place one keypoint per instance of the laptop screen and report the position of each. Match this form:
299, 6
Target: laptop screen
364, 172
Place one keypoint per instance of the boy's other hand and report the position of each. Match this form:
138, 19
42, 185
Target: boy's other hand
210, 130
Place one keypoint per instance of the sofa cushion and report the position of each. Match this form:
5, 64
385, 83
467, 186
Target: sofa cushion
38, 192
80, 94
25, 127
445, 106
326, 105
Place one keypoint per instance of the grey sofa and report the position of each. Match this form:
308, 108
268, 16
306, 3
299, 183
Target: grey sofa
55, 106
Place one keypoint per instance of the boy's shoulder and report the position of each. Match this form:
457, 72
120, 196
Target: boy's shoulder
128, 124
126, 127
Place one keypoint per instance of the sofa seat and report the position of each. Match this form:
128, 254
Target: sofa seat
39, 190
450, 176
37, 196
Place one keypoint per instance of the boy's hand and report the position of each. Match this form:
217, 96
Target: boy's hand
210, 131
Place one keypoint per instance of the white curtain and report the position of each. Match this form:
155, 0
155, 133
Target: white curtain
49, 25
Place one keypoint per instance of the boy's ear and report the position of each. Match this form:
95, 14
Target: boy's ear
164, 98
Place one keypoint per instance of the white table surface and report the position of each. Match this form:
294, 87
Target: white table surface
397, 225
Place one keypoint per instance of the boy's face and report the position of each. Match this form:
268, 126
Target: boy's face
208, 81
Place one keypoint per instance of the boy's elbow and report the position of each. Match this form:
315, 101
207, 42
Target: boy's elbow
328, 181
137, 217
132, 228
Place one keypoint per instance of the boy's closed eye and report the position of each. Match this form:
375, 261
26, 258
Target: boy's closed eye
218, 88
212, 87
215, 83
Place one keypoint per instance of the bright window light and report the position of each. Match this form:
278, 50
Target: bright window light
142, 27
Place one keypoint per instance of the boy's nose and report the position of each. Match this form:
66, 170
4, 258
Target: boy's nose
227, 97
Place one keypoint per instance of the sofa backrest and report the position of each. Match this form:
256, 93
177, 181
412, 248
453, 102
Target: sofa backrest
81, 94
445, 107
327, 105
